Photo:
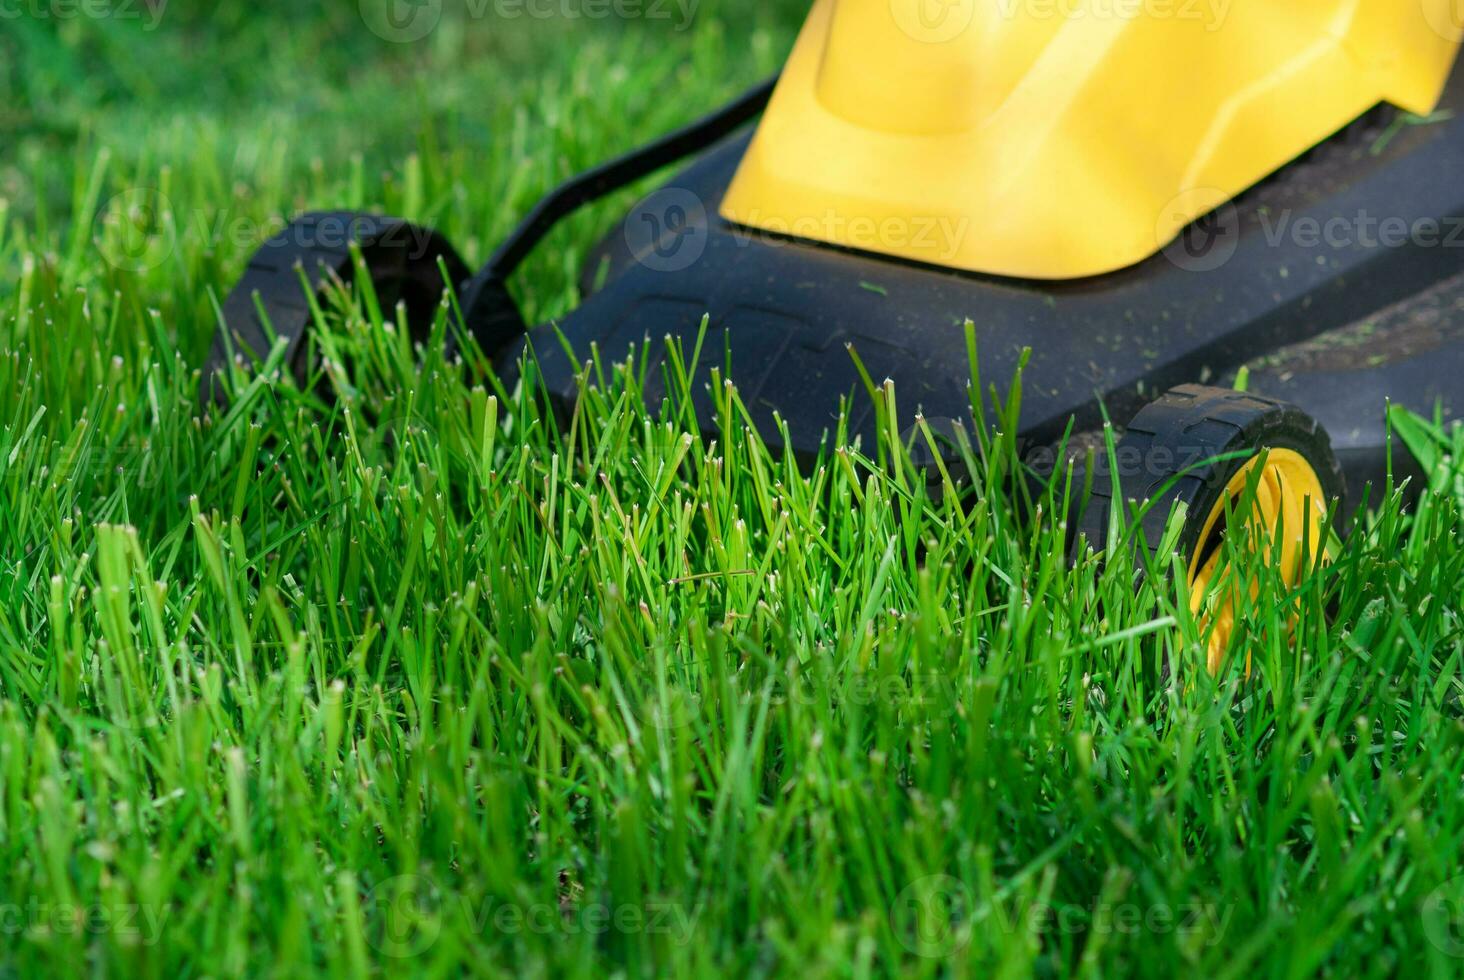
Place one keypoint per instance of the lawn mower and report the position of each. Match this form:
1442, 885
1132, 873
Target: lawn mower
1153, 199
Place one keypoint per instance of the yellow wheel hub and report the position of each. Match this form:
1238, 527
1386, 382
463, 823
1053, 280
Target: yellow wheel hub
1284, 524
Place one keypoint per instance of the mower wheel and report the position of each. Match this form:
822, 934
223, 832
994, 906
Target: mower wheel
1201, 446
401, 258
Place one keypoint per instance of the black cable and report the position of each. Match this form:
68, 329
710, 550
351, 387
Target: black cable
615, 174
492, 316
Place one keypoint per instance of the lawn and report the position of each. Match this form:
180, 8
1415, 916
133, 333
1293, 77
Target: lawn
411, 681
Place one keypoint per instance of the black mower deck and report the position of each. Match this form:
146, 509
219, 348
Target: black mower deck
1363, 238
1339, 283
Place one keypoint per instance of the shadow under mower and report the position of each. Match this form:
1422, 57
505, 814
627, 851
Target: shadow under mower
1149, 206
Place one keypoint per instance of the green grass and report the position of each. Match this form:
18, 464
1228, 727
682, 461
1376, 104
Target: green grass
295, 690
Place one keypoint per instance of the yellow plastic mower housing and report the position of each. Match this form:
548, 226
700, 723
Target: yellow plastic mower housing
1058, 139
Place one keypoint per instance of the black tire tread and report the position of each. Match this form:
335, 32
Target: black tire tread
394, 251
1197, 425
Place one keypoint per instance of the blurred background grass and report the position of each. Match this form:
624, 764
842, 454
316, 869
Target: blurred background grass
249, 113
